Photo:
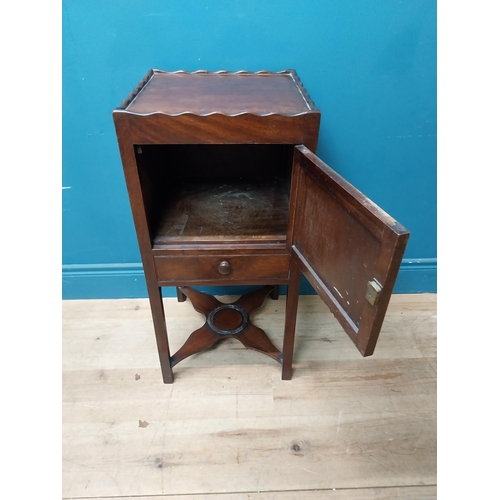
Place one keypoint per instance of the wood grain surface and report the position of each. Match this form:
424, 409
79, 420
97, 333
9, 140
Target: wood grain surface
344, 428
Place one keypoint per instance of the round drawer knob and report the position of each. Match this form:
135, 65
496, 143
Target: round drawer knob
224, 267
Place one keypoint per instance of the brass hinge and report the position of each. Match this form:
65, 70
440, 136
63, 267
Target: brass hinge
373, 291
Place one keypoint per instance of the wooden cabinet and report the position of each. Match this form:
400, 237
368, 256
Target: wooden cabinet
225, 188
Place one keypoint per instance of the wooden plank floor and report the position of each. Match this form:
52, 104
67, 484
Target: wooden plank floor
344, 428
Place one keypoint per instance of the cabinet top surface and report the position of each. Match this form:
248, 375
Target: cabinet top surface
204, 93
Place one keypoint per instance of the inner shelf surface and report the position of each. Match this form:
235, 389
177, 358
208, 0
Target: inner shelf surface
234, 209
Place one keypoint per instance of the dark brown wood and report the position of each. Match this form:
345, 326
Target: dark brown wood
144, 238
221, 195
219, 129
205, 269
160, 327
180, 296
204, 93
253, 300
227, 321
342, 241
221, 108
204, 210
201, 192
255, 338
200, 340
292, 300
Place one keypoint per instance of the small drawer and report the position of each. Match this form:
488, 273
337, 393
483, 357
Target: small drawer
222, 268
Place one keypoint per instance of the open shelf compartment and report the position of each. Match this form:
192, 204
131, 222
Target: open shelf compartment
204, 193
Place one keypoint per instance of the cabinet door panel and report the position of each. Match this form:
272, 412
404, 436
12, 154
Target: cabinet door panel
347, 247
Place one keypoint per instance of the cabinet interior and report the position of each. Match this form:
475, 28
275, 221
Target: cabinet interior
198, 192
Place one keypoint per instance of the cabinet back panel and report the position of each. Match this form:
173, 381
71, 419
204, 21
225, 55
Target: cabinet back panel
216, 161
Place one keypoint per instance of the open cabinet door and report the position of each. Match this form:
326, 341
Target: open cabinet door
347, 247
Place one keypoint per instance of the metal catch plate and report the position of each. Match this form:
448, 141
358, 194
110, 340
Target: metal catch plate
373, 291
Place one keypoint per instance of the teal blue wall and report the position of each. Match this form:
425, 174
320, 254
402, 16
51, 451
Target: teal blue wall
369, 65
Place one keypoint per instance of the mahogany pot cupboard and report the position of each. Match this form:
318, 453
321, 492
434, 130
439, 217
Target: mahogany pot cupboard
225, 189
